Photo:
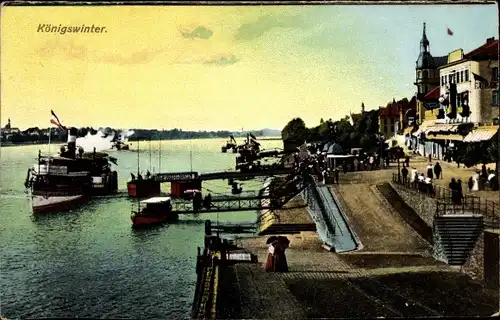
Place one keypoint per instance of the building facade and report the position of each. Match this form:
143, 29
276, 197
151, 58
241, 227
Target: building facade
466, 99
469, 82
396, 116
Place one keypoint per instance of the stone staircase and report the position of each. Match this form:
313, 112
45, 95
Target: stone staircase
458, 235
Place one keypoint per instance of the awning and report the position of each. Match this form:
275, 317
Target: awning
454, 137
424, 126
432, 95
340, 156
442, 128
481, 134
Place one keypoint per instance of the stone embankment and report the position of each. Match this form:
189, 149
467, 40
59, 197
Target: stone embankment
392, 273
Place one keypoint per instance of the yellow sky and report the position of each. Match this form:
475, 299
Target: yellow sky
181, 67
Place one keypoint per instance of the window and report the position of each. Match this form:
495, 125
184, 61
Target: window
466, 75
462, 76
442, 80
450, 78
495, 97
385, 122
425, 74
494, 74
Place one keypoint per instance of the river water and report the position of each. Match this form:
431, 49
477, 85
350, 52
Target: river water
90, 262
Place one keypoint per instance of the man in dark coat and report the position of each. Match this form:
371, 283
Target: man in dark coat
438, 170
404, 172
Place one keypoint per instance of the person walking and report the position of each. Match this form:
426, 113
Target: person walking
438, 170
453, 187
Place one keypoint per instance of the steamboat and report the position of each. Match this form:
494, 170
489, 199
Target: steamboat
69, 179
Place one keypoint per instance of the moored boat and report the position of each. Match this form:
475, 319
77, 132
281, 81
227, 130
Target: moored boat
67, 181
157, 210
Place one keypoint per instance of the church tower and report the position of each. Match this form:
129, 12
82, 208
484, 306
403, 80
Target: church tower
427, 74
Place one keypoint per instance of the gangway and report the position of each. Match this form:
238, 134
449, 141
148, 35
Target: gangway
187, 176
245, 203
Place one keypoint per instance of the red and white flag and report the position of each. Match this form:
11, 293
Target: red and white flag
55, 120
450, 33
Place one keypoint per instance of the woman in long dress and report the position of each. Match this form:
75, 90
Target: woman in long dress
270, 263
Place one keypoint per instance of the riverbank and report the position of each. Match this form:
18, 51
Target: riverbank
391, 275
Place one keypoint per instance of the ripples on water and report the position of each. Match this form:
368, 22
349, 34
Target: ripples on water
90, 262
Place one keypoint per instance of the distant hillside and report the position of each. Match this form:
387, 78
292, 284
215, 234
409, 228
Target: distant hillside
259, 133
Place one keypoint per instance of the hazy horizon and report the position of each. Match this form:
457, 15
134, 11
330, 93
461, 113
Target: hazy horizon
211, 68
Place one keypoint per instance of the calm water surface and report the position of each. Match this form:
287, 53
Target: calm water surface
90, 262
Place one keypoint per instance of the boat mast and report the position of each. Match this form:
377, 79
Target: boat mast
159, 153
150, 164
191, 158
137, 158
136, 184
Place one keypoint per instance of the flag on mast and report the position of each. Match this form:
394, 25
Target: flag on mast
55, 120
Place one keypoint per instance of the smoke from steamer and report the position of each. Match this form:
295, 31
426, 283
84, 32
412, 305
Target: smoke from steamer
102, 141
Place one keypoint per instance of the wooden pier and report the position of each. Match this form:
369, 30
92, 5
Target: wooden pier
187, 176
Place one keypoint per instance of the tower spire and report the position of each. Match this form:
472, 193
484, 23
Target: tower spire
424, 43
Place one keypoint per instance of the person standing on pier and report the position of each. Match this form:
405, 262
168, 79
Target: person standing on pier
404, 172
337, 173
429, 171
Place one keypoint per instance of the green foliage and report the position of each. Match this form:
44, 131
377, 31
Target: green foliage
295, 130
471, 154
362, 134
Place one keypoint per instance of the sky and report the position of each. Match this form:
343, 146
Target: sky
220, 67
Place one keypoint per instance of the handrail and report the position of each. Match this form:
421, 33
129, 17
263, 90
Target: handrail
468, 204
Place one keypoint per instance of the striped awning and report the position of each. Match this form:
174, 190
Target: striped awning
481, 134
442, 128
453, 137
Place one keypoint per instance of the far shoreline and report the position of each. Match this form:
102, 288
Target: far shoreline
3, 144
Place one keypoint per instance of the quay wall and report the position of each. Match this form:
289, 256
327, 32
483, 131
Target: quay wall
423, 205
483, 263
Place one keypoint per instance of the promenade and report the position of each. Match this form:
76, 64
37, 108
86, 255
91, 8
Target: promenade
392, 274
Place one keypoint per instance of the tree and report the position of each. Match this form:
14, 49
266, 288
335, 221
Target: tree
295, 130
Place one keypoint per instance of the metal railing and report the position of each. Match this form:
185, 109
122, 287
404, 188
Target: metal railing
450, 201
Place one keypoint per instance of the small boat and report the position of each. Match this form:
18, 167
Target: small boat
157, 210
